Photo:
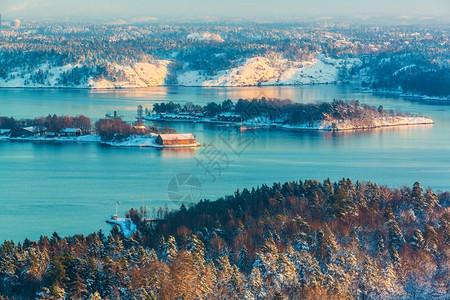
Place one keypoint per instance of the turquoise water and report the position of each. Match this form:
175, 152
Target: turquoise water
72, 188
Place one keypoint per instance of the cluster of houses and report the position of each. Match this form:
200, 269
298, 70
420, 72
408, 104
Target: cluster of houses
39, 130
169, 140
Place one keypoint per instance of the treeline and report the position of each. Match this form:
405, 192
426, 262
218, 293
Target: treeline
52, 123
410, 73
296, 240
108, 129
117, 129
283, 111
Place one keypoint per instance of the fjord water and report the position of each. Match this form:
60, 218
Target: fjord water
72, 188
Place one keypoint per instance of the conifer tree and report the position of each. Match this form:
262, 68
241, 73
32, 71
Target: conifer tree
431, 199
431, 238
236, 284
224, 272
308, 270
396, 238
418, 200
417, 241
256, 284
78, 289
368, 278
169, 250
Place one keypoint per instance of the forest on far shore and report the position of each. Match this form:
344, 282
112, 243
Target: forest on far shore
301, 239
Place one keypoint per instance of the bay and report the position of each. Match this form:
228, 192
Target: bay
73, 188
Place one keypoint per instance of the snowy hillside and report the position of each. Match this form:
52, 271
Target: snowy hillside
276, 71
253, 71
138, 75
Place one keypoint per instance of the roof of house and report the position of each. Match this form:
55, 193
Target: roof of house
229, 114
5, 131
177, 136
35, 129
70, 130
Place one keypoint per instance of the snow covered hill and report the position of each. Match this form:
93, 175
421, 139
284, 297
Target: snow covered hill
251, 72
275, 71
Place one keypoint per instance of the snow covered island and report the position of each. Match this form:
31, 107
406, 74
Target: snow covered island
273, 113
112, 131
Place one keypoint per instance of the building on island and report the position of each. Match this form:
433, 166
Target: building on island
139, 128
5, 131
33, 130
229, 117
176, 139
70, 132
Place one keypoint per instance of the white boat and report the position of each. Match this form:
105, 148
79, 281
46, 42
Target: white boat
113, 115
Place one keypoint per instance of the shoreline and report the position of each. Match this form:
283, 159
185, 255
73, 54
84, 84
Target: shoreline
418, 97
132, 141
345, 125
149, 141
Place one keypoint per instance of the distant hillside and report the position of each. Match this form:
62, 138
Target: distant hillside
410, 59
250, 72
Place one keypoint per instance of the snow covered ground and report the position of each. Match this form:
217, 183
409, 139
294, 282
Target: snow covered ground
132, 141
126, 225
272, 70
350, 125
146, 141
137, 75
325, 125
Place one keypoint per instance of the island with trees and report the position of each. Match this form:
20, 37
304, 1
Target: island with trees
295, 240
112, 131
337, 115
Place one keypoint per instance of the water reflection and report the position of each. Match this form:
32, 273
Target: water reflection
178, 153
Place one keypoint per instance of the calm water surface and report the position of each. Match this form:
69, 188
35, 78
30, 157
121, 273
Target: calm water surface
72, 188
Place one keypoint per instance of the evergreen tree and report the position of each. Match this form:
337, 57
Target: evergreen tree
431, 199
256, 284
368, 278
236, 284
169, 250
418, 200
78, 288
308, 270
431, 238
395, 235
224, 272
417, 240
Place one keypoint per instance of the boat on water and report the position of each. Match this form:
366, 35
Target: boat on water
113, 115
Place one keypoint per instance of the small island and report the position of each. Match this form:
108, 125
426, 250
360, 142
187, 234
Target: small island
112, 131
337, 115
